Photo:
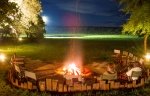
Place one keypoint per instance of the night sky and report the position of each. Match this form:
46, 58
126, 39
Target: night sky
104, 13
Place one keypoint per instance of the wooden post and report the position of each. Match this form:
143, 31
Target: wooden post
12, 80
69, 82
30, 86
102, 84
70, 88
48, 84
21, 85
112, 84
10, 76
84, 87
65, 88
96, 86
117, 84
129, 85
122, 86
16, 82
60, 87
148, 72
25, 85
142, 82
54, 85
134, 83
77, 87
106, 87
126, 85
34, 87
42, 85
89, 87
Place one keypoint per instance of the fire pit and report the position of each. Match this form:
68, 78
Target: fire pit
73, 71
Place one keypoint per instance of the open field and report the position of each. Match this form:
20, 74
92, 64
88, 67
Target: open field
94, 47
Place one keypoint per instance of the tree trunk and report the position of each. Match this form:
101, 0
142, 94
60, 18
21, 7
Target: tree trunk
145, 43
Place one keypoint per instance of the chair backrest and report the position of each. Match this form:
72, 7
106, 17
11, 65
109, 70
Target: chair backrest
136, 73
116, 51
130, 55
125, 53
18, 59
109, 76
17, 68
135, 58
31, 75
141, 60
18, 63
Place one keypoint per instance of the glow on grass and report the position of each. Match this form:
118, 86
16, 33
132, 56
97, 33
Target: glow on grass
2, 57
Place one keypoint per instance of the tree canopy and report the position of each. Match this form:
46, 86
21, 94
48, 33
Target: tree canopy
8, 10
139, 20
21, 15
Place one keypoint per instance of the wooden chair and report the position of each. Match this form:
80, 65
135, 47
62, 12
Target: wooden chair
124, 54
141, 61
130, 58
109, 76
19, 71
124, 57
15, 60
116, 52
135, 58
135, 74
116, 56
31, 75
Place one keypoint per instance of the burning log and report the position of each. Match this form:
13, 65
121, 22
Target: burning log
71, 71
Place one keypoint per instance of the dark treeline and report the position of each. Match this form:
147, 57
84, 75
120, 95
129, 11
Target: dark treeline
84, 30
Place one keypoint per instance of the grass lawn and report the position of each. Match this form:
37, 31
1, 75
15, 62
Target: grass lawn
55, 49
94, 48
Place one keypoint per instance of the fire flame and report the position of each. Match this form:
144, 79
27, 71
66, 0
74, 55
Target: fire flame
72, 69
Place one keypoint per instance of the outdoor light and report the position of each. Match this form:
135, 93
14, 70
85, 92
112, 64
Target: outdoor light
147, 57
45, 19
20, 39
2, 57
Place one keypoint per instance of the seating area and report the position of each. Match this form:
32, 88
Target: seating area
20, 77
125, 57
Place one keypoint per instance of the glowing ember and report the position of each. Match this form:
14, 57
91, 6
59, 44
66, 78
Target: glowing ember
72, 69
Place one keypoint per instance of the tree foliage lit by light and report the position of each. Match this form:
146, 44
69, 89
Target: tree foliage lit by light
22, 15
8, 13
31, 19
139, 20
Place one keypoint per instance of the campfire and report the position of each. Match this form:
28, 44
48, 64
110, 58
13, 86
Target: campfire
73, 70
